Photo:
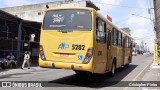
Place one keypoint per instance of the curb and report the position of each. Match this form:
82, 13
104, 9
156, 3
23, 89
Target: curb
155, 66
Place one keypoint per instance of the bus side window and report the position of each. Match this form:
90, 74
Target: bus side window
119, 39
100, 31
127, 42
114, 37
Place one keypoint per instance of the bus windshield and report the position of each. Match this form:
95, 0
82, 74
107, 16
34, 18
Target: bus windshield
67, 20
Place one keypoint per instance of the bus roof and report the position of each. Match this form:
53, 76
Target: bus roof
61, 8
88, 8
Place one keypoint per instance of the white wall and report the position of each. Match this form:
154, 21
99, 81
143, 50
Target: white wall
30, 12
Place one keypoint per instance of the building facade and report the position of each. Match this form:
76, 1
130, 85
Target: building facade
157, 17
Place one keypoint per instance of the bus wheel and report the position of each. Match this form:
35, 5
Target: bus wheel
113, 69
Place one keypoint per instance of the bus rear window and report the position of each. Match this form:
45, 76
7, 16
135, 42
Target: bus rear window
67, 20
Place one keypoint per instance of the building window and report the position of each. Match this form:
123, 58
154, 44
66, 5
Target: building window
39, 13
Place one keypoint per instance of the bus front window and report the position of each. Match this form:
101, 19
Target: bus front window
67, 20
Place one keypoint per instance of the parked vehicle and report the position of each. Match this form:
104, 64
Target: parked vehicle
5, 63
140, 52
13, 64
134, 53
152, 52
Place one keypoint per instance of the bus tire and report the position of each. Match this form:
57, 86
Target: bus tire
113, 68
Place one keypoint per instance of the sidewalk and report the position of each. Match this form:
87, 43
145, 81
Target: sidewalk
153, 74
6, 72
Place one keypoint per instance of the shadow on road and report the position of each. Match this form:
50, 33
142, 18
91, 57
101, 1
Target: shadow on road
93, 81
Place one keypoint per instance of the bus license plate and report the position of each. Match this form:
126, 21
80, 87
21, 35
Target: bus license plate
64, 55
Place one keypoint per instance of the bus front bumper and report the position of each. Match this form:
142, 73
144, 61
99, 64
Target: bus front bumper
66, 65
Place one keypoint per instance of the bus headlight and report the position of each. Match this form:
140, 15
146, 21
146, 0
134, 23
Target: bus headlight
42, 55
86, 60
88, 56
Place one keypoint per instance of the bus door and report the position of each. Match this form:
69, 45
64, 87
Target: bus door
108, 49
100, 47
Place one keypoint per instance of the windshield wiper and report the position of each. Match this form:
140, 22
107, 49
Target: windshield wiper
66, 30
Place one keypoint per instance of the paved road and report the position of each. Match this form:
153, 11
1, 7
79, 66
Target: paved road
67, 78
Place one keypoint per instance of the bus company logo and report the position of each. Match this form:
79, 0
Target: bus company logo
63, 46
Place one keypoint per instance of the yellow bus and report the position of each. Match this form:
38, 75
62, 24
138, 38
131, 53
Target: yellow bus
81, 39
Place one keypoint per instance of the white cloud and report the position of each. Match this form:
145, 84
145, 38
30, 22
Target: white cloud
105, 5
141, 28
139, 21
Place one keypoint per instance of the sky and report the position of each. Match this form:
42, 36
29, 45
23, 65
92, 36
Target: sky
121, 12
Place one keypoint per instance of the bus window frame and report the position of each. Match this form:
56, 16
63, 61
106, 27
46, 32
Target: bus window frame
91, 16
119, 39
102, 39
114, 39
128, 42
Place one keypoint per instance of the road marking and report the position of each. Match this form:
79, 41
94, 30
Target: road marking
126, 88
140, 73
